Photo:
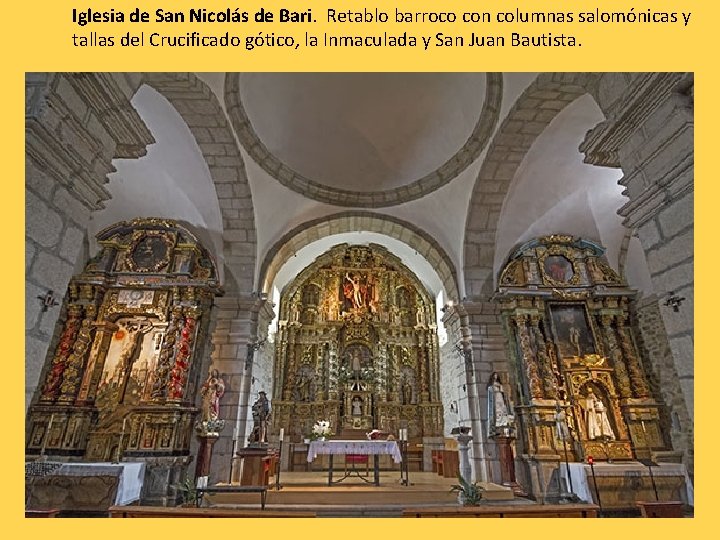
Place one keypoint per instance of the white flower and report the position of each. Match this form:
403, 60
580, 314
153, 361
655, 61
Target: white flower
321, 428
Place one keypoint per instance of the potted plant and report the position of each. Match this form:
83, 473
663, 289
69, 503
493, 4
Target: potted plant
468, 494
188, 492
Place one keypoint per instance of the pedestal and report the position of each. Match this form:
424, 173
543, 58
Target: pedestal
507, 465
202, 467
251, 466
463, 449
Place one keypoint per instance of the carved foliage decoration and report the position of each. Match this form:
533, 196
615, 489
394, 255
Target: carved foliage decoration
357, 335
572, 332
125, 372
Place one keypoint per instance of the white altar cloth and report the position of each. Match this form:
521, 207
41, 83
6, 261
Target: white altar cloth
366, 448
131, 476
579, 473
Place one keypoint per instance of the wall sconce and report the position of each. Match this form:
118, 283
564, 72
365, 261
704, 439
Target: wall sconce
251, 348
454, 406
48, 300
674, 301
465, 388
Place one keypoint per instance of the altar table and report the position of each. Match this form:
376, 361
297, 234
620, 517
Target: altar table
363, 448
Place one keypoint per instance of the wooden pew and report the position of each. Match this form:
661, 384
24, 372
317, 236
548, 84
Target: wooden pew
232, 488
509, 511
194, 512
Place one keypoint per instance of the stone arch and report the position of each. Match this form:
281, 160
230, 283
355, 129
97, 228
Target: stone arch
344, 222
204, 116
533, 111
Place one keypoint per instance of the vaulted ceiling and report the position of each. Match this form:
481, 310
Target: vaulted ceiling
409, 146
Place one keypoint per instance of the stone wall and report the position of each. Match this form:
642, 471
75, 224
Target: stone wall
663, 377
75, 125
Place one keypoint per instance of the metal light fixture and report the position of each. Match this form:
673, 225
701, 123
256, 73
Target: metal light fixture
674, 301
48, 300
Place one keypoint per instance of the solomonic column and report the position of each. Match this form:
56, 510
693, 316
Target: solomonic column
615, 355
637, 377
531, 368
54, 379
548, 377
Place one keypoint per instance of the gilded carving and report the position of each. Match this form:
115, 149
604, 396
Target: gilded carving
127, 346
364, 320
54, 379
579, 338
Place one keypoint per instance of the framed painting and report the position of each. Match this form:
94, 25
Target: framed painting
572, 331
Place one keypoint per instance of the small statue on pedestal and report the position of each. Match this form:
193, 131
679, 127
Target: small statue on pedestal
261, 416
499, 414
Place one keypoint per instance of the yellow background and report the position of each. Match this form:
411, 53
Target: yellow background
36, 36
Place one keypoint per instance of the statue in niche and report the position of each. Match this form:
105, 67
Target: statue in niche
302, 388
407, 393
357, 406
420, 315
352, 290
596, 420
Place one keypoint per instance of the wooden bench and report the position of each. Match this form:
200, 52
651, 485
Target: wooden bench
666, 509
42, 513
509, 511
193, 512
262, 490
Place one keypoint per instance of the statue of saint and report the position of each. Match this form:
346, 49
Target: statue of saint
406, 393
212, 390
561, 428
261, 415
596, 420
357, 406
498, 410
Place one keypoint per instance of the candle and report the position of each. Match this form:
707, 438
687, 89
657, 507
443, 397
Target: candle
235, 434
282, 434
642, 423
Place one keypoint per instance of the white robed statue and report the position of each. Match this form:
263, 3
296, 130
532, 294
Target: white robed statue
499, 414
596, 420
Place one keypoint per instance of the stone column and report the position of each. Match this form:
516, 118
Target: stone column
240, 323
463, 453
615, 355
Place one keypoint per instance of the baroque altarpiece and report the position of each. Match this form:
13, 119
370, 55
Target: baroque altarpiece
122, 379
568, 316
357, 346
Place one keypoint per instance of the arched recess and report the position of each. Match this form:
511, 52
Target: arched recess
533, 111
204, 116
345, 222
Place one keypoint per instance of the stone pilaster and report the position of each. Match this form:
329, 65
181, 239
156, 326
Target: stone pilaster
650, 134
240, 325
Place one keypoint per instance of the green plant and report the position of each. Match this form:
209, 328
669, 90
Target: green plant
469, 494
187, 490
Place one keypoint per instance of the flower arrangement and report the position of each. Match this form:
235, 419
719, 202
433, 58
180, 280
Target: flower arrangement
320, 430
